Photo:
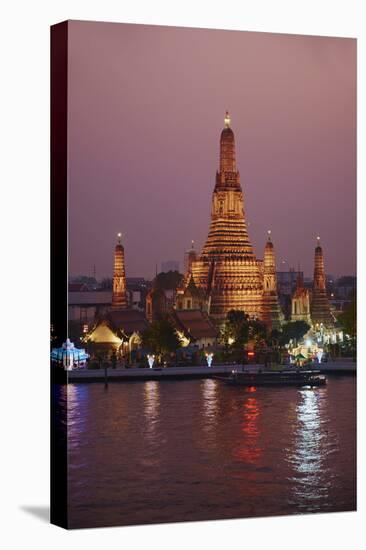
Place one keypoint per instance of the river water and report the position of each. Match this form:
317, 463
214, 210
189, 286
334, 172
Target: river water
148, 452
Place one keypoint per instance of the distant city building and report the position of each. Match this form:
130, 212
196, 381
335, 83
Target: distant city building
286, 281
137, 288
78, 287
84, 307
169, 265
345, 287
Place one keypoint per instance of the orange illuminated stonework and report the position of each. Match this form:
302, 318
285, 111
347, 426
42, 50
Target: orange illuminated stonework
272, 313
119, 298
320, 308
300, 302
227, 269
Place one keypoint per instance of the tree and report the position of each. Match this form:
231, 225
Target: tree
236, 329
168, 281
161, 337
293, 331
348, 319
257, 331
240, 328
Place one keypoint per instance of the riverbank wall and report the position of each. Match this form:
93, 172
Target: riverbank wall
183, 373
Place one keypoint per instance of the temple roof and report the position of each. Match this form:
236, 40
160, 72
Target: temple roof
195, 323
127, 320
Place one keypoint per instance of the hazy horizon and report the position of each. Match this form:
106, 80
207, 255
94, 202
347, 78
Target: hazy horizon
146, 109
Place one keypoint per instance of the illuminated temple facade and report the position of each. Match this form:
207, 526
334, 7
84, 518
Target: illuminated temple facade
320, 309
227, 270
119, 298
272, 313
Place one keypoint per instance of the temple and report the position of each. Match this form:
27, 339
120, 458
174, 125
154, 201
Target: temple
320, 308
119, 298
227, 270
300, 302
272, 313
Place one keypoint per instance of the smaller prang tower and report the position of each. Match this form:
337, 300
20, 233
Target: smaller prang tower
189, 257
119, 297
272, 313
320, 308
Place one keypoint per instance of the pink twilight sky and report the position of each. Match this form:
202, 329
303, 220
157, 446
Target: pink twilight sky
146, 108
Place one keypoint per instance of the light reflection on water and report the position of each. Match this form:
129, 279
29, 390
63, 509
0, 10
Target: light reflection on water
250, 451
315, 441
198, 449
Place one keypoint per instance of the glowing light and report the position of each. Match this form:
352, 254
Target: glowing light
227, 120
308, 343
150, 360
251, 354
209, 357
319, 355
230, 340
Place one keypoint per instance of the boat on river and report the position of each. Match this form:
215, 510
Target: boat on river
270, 377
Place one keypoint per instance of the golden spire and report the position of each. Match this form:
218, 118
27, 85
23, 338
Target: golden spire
227, 120
119, 238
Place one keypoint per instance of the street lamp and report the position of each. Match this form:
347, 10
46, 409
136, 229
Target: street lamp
150, 360
209, 357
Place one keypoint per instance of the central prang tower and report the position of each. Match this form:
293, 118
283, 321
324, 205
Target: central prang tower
227, 269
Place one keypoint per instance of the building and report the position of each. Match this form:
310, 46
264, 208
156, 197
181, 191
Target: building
194, 327
136, 289
190, 296
120, 330
227, 269
345, 287
169, 265
300, 303
85, 306
286, 282
119, 326
320, 308
119, 297
159, 302
272, 313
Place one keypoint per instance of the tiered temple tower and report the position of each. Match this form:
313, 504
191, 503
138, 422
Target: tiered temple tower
119, 298
272, 313
227, 269
320, 309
